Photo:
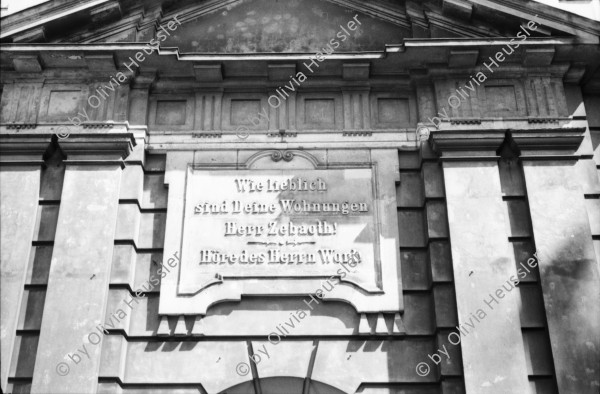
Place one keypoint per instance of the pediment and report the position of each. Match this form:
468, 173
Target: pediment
286, 26
259, 26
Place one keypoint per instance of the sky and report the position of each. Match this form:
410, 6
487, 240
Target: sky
18, 5
589, 9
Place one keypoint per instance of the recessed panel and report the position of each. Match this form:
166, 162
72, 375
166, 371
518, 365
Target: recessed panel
319, 112
242, 111
501, 99
171, 112
64, 102
393, 111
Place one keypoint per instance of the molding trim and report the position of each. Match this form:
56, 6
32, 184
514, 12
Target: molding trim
469, 145
97, 147
23, 148
548, 143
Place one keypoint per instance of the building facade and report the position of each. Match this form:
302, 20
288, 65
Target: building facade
317, 196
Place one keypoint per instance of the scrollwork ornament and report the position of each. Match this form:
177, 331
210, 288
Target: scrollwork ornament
288, 156
279, 155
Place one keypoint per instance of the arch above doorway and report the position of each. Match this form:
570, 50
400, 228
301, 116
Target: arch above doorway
281, 385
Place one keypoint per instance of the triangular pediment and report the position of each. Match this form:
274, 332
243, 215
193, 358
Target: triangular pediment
257, 26
287, 26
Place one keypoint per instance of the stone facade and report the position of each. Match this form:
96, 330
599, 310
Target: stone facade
469, 245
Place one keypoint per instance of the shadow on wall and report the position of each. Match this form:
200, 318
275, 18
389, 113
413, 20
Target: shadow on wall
571, 287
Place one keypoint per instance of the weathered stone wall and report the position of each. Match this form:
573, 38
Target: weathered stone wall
88, 229
98, 132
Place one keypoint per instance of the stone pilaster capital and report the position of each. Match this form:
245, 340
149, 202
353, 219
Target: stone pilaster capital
97, 148
532, 144
548, 143
23, 148
467, 145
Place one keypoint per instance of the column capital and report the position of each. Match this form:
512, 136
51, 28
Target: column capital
532, 144
548, 143
23, 148
97, 148
467, 145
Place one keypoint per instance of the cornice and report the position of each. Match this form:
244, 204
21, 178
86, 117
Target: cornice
90, 143
97, 147
391, 48
467, 145
23, 148
548, 143
19, 23
56, 61
481, 145
559, 19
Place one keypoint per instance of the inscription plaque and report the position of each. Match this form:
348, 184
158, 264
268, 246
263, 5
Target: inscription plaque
279, 223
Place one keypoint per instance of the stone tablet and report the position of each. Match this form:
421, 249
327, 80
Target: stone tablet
274, 223
282, 224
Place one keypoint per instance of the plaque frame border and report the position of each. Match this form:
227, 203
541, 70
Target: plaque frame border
377, 264
387, 300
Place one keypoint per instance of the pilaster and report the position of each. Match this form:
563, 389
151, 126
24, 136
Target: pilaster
567, 262
81, 261
20, 165
491, 342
